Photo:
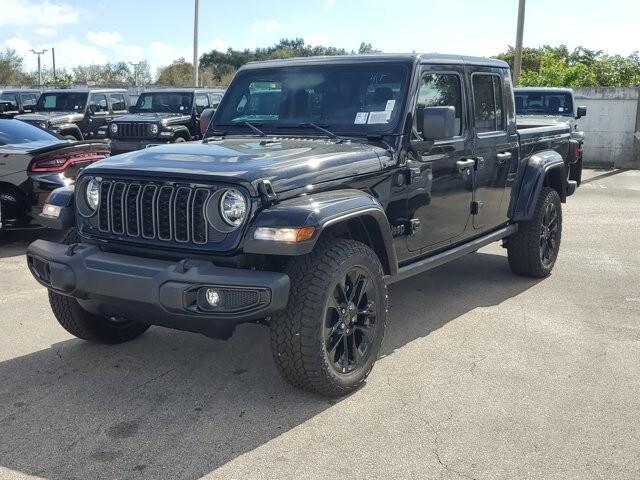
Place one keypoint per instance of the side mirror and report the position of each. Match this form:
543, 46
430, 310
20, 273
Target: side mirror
132, 109
205, 119
582, 112
93, 109
438, 123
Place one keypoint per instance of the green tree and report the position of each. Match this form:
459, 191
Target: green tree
180, 74
11, 72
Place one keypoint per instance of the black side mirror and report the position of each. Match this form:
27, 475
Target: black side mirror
438, 123
93, 109
582, 112
205, 119
132, 109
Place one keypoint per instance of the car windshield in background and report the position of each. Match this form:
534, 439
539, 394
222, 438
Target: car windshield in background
345, 99
544, 103
62, 102
166, 102
14, 132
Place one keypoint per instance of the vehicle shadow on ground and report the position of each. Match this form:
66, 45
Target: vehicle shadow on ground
179, 405
15, 243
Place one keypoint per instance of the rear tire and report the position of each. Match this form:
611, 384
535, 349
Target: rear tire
85, 325
179, 140
534, 248
329, 336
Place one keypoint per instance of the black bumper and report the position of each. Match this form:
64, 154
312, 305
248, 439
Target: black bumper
123, 146
157, 292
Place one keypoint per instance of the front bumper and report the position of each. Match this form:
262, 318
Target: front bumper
122, 146
157, 292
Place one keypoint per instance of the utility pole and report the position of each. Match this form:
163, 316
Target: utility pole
39, 67
195, 45
135, 72
517, 62
53, 59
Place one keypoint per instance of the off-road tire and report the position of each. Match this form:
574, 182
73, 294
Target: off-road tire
524, 247
73, 138
179, 140
85, 325
297, 339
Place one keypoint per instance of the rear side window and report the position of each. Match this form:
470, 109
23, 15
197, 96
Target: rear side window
439, 90
99, 101
488, 103
202, 102
29, 100
117, 102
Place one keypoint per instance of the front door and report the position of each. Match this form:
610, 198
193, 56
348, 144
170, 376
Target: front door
439, 191
496, 145
98, 113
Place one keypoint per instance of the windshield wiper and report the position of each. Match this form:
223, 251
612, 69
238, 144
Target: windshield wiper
321, 129
255, 129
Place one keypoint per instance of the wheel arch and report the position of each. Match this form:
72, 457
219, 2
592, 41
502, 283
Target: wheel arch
544, 169
71, 129
348, 213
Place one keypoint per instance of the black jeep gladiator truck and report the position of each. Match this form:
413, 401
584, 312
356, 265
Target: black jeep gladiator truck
77, 114
162, 116
298, 213
15, 102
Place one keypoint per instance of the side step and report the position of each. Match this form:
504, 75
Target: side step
449, 255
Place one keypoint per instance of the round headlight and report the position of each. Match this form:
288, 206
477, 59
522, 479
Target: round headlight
153, 129
233, 207
92, 194
113, 127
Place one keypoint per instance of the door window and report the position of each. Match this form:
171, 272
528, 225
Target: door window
439, 90
117, 102
99, 102
488, 103
29, 100
202, 102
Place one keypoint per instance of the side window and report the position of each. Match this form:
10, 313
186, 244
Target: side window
488, 103
29, 100
202, 102
99, 101
439, 90
117, 102
215, 100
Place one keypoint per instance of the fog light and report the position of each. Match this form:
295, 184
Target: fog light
212, 297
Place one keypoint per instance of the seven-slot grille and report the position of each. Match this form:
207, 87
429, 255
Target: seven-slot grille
140, 210
132, 130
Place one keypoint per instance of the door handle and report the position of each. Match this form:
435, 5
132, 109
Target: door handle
464, 164
503, 157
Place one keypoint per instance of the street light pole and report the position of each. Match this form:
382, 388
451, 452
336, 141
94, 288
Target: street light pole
195, 44
41, 52
517, 62
135, 72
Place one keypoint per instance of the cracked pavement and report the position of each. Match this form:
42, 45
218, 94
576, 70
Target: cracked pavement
483, 375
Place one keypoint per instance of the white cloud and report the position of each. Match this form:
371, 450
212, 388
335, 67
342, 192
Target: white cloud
34, 13
329, 3
46, 32
104, 39
266, 25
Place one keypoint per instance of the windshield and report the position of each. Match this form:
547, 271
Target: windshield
15, 131
62, 102
11, 99
345, 99
544, 103
166, 102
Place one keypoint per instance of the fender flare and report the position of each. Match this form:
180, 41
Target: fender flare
539, 165
179, 129
323, 211
67, 128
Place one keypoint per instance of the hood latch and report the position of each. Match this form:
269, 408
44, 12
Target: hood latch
267, 194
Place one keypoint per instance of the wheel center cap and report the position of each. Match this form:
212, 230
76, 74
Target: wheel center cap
351, 313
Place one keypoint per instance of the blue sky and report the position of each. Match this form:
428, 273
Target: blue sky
96, 31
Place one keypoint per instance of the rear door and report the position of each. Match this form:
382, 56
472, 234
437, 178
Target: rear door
439, 192
495, 144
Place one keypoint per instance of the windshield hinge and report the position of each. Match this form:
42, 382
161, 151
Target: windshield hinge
267, 194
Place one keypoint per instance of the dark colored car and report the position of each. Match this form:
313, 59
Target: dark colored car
539, 106
162, 116
320, 181
15, 102
33, 163
77, 114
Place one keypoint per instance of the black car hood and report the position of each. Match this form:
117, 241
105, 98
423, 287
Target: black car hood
53, 117
158, 117
288, 163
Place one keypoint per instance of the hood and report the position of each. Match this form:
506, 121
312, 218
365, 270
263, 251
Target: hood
53, 117
166, 118
288, 164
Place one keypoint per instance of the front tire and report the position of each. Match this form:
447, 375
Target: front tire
534, 248
329, 336
85, 325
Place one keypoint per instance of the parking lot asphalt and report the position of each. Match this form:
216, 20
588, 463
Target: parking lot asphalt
483, 375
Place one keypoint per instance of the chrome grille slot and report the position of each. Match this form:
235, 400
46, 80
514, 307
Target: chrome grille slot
132, 209
147, 209
165, 213
155, 212
103, 210
117, 207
